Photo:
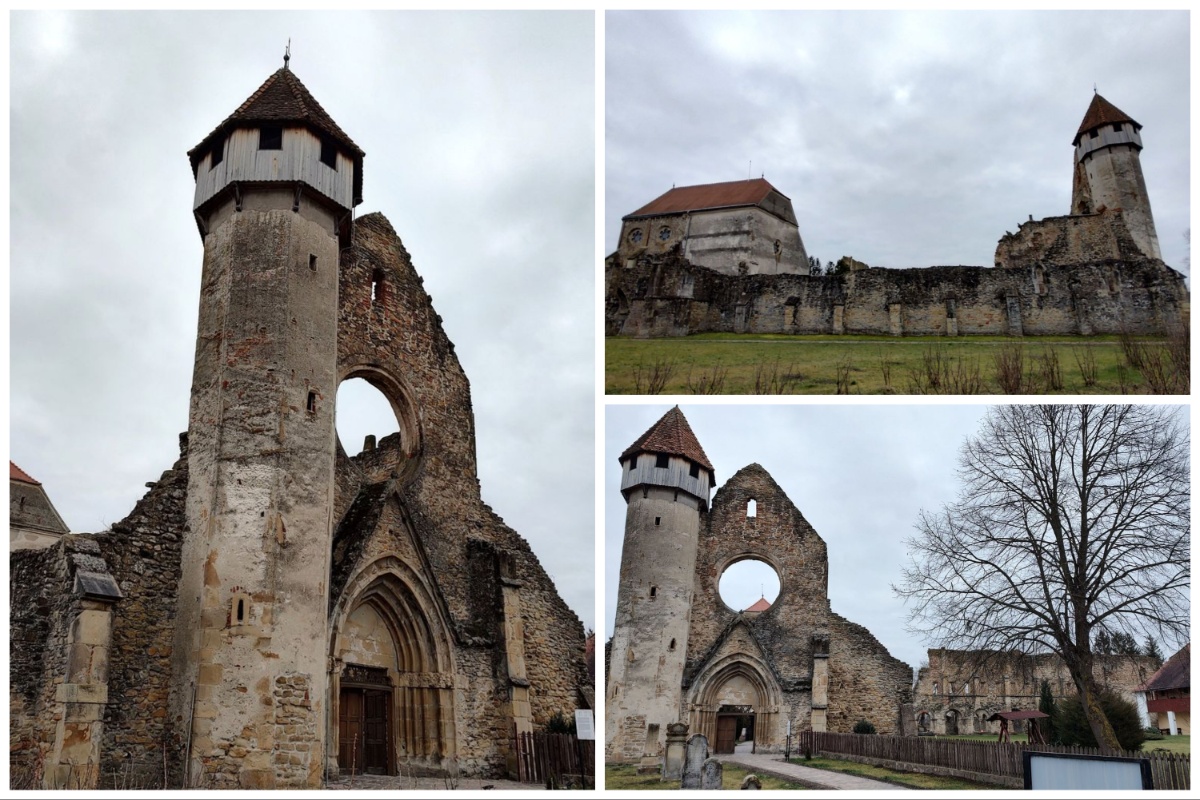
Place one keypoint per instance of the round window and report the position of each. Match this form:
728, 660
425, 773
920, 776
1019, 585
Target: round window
749, 585
664, 233
635, 235
362, 410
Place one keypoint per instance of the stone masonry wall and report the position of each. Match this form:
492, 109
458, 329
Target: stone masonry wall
1075, 239
865, 681
667, 296
143, 554
975, 684
40, 597
398, 344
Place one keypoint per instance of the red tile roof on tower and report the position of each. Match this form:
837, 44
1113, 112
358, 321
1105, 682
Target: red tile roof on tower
1101, 112
760, 605
1176, 673
708, 196
281, 98
673, 436
15, 473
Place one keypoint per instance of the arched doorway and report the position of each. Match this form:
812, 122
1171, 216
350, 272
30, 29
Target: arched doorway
391, 681
735, 702
952, 723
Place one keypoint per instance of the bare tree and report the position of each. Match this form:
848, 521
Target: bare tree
1070, 518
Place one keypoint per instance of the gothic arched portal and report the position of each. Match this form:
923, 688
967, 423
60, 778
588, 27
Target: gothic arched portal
391, 678
733, 695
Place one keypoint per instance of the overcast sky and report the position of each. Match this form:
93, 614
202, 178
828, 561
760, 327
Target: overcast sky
493, 196
902, 139
859, 474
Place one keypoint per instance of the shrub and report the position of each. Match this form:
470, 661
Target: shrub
862, 726
1153, 734
560, 723
1072, 728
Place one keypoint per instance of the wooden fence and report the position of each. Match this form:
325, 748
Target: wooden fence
1169, 770
555, 756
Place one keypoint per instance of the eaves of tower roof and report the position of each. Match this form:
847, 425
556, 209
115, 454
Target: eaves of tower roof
1101, 112
673, 436
707, 196
281, 98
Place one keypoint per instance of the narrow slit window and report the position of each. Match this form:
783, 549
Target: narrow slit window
376, 287
751, 508
653, 592
671, 646
633, 463
241, 610
312, 402
657, 521
218, 153
270, 137
312, 262
663, 461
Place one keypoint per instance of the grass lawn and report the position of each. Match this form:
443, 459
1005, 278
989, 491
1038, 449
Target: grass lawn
720, 363
912, 780
624, 776
1172, 744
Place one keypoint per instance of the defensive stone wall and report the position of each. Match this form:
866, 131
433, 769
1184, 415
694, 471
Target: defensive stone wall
667, 296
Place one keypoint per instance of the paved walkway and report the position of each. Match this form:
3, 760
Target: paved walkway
814, 778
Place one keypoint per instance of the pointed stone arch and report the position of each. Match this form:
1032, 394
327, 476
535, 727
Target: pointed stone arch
741, 680
390, 634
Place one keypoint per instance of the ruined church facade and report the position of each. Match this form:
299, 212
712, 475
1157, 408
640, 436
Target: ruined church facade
274, 611
1095, 270
680, 654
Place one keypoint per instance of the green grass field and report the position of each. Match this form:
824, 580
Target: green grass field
911, 780
778, 364
624, 776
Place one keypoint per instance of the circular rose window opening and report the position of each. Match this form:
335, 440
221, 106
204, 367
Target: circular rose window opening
749, 585
362, 410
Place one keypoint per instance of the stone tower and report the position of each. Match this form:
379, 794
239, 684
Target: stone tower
276, 183
665, 479
1108, 172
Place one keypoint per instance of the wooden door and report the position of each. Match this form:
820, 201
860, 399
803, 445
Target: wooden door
375, 731
726, 733
350, 730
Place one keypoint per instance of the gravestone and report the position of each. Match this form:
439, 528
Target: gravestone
751, 781
672, 769
693, 761
711, 774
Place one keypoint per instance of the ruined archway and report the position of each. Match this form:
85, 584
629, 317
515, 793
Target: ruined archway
397, 455
391, 673
733, 694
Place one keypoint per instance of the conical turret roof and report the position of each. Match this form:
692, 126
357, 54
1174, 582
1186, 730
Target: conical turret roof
1101, 112
281, 98
671, 435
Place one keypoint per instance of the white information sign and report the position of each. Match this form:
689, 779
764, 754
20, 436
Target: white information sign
585, 727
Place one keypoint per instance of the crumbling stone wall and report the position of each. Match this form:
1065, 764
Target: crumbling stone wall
801, 642
667, 296
1075, 239
396, 342
974, 684
40, 598
143, 554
